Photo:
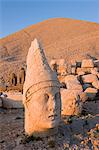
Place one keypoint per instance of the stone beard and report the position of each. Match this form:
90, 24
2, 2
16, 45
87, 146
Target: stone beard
43, 112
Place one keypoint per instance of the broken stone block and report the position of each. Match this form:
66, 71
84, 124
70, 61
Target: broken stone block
89, 78
10, 103
62, 67
87, 63
96, 84
82, 71
72, 85
71, 78
83, 96
12, 100
71, 103
94, 71
91, 93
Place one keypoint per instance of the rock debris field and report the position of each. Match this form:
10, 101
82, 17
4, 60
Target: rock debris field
76, 131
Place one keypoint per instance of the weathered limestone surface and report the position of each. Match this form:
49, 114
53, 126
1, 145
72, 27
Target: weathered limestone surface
72, 83
94, 70
82, 71
71, 103
10, 103
87, 63
71, 78
41, 95
96, 84
91, 92
89, 78
12, 100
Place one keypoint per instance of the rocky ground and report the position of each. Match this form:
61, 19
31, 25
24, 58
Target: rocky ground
75, 133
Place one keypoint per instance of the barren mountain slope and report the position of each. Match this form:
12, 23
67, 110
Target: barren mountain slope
60, 38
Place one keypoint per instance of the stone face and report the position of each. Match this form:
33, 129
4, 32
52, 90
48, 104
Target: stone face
91, 93
89, 78
71, 103
87, 63
41, 95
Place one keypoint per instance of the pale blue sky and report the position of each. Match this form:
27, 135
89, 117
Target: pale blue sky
18, 14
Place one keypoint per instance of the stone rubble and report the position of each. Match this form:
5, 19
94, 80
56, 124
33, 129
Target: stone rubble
82, 80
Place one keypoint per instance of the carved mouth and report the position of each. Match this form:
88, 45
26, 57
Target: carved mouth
52, 117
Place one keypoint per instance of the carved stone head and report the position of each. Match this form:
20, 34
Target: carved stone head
41, 96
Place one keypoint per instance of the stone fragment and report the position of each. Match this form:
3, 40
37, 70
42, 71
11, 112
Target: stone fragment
71, 103
72, 83
12, 99
89, 78
87, 63
82, 71
94, 71
62, 67
71, 78
41, 95
96, 84
83, 96
91, 93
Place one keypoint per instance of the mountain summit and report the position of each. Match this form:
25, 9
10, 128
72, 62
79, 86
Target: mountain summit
60, 38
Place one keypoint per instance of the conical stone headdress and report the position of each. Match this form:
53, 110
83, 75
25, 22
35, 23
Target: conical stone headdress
39, 74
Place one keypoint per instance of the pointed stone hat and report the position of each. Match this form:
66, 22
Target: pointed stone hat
38, 74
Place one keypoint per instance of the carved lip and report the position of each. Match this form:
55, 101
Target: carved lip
52, 117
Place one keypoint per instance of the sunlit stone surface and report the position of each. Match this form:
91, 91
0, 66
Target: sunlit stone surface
41, 95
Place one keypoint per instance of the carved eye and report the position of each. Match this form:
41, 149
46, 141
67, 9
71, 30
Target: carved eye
46, 96
57, 95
